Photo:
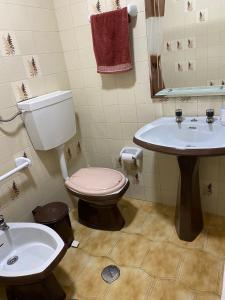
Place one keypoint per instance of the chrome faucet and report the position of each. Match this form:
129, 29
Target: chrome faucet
210, 115
3, 225
178, 113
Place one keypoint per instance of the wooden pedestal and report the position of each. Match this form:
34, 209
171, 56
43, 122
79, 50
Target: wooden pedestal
46, 289
188, 217
104, 217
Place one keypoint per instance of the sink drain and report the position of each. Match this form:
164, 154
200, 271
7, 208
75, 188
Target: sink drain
12, 260
110, 273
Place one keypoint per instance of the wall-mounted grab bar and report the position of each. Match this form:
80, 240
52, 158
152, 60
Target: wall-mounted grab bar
21, 163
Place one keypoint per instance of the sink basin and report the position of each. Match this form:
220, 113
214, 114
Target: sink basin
194, 136
28, 249
188, 140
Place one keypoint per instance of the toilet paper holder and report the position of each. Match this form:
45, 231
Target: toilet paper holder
134, 152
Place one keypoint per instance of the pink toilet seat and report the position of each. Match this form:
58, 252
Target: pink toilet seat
96, 181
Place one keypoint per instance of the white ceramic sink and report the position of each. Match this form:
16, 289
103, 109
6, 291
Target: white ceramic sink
193, 135
35, 245
188, 140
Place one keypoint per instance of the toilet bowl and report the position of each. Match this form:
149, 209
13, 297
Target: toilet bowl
98, 190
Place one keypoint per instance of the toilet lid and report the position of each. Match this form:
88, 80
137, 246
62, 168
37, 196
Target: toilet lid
96, 181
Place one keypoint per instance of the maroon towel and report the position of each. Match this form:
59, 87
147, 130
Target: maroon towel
110, 34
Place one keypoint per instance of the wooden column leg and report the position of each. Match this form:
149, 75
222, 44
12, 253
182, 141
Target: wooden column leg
188, 217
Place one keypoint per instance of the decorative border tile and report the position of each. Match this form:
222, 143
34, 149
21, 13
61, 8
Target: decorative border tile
32, 66
191, 65
189, 6
202, 15
21, 90
8, 43
190, 43
180, 44
180, 66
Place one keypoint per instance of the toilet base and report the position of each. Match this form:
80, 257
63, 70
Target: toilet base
103, 217
46, 289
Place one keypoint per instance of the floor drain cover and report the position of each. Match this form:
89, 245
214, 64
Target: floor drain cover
110, 273
12, 260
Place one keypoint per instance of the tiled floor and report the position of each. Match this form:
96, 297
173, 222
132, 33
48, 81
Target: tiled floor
154, 263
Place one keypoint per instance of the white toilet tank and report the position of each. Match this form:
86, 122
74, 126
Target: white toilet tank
49, 119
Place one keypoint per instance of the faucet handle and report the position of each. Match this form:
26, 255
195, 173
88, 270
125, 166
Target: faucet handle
178, 112
210, 113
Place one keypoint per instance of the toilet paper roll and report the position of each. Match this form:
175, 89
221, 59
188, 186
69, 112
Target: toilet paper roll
128, 158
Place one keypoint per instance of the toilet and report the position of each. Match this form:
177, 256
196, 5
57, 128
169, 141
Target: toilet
98, 190
50, 123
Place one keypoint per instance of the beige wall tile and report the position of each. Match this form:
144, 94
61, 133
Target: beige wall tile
68, 40
128, 114
33, 24
7, 97
109, 96
145, 113
90, 78
80, 14
87, 58
61, 3
26, 42
64, 18
139, 26
72, 60
12, 63
76, 79
52, 63
116, 105
140, 49
126, 96
84, 37
128, 130
112, 113
114, 131
46, 42
43, 19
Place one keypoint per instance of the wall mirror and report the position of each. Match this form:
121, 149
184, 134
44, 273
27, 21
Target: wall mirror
186, 47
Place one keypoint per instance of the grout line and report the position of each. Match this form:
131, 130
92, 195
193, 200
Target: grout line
179, 267
29, 6
23, 79
150, 291
206, 241
150, 288
221, 279
119, 265
113, 246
